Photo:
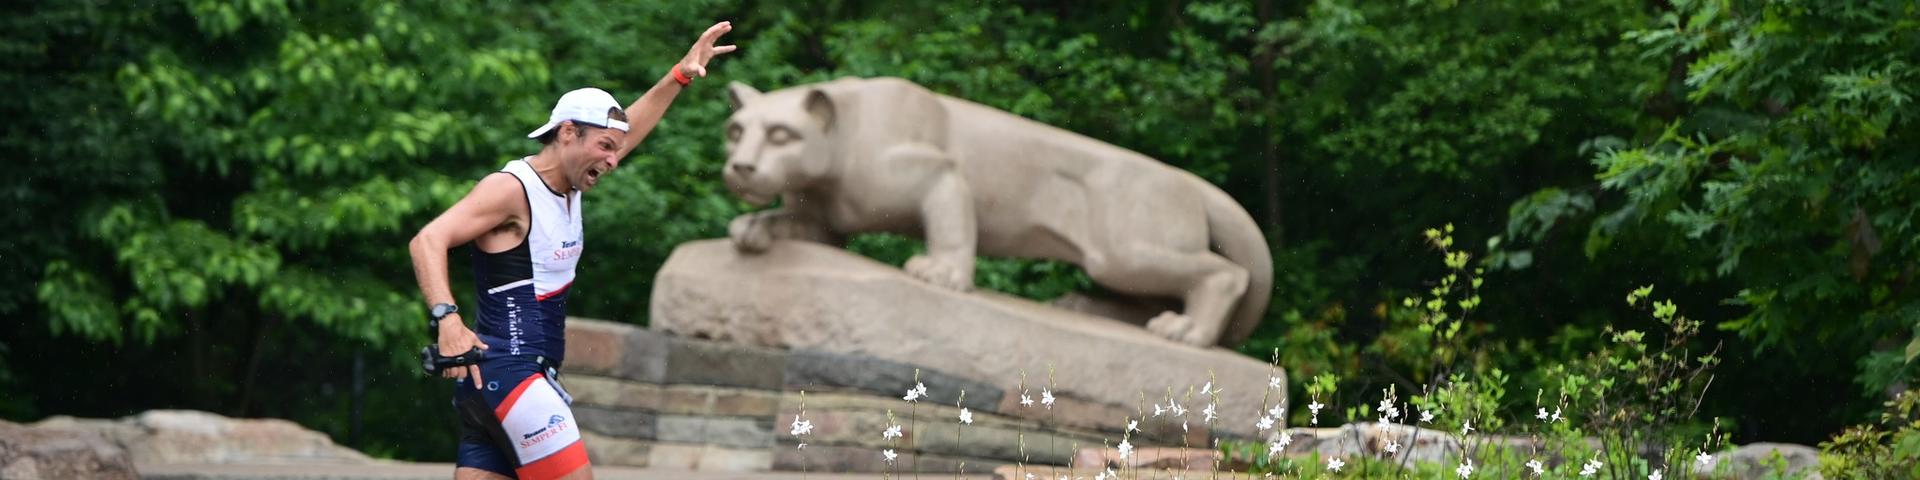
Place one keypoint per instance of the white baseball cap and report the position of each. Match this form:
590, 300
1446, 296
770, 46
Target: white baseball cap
590, 106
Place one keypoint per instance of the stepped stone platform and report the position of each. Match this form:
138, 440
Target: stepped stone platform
443, 471
648, 399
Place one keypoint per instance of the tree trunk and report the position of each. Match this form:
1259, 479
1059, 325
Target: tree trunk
359, 398
197, 361
263, 331
1269, 144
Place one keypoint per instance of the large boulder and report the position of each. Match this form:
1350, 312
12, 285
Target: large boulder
195, 437
807, 296
55, 452
1758, 460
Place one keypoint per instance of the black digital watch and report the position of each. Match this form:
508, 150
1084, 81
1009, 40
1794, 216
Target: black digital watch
439, 311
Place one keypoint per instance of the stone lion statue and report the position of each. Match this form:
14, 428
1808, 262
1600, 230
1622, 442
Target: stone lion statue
885, 155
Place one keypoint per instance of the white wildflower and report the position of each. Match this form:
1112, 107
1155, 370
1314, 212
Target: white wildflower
1654, 476
801, 427
1465, 470
1426, 416
1277, 446
1556, 415
1274, 381
914, 394
1046, 398
893, 431
1704, 459
1466, 427
1315, 408
1264, 423
1176, 408
1276, 412
1025, 400
1133, 425
890, 455
1126, 450
1158, 410
1592, 467
1334, 464
1209, 413
1543, 414
1388, 412
801, 446
1208, 388
966, 416
1538, 469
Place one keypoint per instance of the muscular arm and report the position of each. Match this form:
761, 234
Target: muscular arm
646, 111
491, 205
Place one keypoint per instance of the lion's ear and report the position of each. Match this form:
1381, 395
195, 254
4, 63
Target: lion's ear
820, 106
740, 94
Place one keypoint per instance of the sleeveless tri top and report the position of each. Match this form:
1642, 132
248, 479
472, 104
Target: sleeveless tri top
523, 291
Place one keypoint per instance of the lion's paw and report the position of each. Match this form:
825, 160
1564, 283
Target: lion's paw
945, 274
749, 235
1175, 326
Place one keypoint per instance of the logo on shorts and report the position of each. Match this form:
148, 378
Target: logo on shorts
555, 425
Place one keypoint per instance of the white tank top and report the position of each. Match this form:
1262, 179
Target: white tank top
523, 290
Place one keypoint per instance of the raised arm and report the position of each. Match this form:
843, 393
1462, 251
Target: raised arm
645, 112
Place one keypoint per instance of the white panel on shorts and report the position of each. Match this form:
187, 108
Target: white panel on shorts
539, 423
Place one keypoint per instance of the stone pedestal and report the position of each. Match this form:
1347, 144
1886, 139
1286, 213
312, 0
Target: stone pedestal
55, 452
810, 297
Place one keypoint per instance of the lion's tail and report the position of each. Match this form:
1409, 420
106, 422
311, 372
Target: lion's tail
1235, 236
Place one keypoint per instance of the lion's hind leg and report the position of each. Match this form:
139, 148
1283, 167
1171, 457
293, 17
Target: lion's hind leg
1209, 284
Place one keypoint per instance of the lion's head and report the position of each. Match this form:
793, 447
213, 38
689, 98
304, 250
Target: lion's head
777, 142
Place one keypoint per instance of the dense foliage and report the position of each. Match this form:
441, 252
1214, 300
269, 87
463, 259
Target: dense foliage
215, 194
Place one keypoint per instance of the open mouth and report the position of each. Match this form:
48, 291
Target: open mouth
593, 174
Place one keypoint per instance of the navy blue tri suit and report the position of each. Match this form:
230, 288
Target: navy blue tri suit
519, 424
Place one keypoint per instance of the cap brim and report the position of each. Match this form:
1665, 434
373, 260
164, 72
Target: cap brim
543, 129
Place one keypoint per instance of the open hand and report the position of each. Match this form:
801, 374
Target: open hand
703, 51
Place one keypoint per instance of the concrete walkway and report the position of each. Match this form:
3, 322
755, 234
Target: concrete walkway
443, 471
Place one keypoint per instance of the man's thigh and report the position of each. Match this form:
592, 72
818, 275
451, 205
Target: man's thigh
470, 473
530, 423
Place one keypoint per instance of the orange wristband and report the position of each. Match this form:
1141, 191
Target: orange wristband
681, 78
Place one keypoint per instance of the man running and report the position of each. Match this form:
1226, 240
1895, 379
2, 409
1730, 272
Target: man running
524, 224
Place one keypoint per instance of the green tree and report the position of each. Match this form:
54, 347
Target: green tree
1785, 164
252, 170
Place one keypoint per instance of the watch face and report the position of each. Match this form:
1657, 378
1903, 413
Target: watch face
443, 310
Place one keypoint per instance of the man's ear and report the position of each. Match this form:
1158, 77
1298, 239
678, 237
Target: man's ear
820, 106
740, 94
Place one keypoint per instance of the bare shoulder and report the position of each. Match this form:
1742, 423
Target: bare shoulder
498, 196
498, 187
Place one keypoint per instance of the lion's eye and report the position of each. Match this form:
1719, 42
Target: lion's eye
781, 135
734, 131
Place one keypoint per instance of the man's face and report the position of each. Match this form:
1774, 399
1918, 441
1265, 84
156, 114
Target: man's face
591, 155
